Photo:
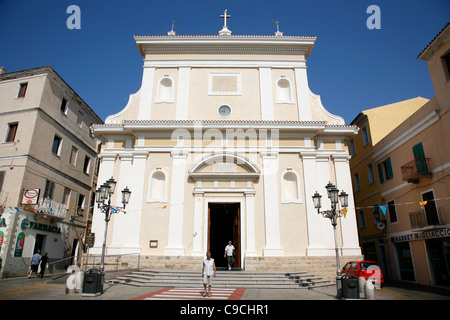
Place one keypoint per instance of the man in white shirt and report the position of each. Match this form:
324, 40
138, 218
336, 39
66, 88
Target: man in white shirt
208, 271
229, 251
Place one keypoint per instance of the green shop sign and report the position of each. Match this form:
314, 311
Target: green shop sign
20, 243
38, 226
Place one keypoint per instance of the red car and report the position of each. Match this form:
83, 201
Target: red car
366, 269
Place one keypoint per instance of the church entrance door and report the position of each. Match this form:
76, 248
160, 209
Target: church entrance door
223, 226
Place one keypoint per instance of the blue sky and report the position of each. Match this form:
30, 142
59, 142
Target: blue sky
351, 67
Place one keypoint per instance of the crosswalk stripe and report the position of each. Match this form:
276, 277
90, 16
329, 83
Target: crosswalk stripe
192, 293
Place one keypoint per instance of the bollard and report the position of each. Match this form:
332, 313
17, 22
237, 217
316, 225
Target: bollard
79, 277
71, 284
361, 283
369, 291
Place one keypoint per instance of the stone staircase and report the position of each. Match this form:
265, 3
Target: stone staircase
224, 279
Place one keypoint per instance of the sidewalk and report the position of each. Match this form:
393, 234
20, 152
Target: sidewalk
52, 288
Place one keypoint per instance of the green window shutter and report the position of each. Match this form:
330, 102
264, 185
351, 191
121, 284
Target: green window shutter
418, 151
390, 173
380, 172
419, 155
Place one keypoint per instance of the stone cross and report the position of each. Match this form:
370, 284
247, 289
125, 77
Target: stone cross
225, 16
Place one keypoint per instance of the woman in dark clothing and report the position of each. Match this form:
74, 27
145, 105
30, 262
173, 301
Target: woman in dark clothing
44, 261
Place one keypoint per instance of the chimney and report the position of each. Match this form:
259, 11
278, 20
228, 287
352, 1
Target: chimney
2, 70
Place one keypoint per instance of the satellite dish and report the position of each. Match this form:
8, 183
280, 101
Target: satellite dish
381, 225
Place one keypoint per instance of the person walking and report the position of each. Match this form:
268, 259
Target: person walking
229, 254
44, 261
208, 272
34, 263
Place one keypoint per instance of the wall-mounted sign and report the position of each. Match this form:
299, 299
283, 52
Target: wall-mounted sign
30, 196
19, 245
432, 234
38, 226
2, 237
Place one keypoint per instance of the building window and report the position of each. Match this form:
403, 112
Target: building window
56, 147
86, 165
158, 187
290, 191
385, 170
73, 156
224, 111
22, 90
49, 188
446, 64
165, 90
352, 147
11, 133
365, 135
2, 177
362, 218
356, 181
370, 173
392, 212
80, 204
419, 156
64, 106
66, 196
284, 91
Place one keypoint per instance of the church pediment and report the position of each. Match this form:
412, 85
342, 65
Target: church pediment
224, 165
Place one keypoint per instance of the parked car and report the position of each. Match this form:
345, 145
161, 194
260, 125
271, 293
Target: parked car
366, 269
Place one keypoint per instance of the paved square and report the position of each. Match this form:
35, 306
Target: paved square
193, 293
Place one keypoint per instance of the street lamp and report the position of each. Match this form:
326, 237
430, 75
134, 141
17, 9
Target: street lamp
103, 198
333, 214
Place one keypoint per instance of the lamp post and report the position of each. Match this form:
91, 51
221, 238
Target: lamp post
103, 199
333, 214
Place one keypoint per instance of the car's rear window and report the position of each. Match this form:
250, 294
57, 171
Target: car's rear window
365, 265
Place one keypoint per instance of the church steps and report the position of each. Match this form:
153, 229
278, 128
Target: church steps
229, 279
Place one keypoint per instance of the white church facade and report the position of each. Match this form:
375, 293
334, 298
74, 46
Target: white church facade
225, 141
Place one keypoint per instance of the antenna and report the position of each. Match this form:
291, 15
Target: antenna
174, 23
276, 22
278, 33
171, 32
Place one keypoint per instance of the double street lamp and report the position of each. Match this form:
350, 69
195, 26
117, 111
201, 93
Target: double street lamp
333, 214
103, 198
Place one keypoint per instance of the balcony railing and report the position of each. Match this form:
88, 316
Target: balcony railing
415, 169
425, 218
51, 208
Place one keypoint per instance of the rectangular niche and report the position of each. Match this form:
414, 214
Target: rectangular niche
224, 84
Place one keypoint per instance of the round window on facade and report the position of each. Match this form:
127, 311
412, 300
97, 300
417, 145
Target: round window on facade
224, 110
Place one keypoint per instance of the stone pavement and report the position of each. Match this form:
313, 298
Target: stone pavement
55, 289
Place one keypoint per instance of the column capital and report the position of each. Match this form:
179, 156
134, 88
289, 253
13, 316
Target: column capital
126, 156
179, 153
268, 154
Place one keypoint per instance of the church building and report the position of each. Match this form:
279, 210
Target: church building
225, 141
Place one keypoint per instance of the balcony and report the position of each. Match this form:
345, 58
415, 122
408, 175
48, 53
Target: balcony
425, 219
51, 209
415, 169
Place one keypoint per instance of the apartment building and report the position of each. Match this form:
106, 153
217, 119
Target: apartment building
48, 167
417, 196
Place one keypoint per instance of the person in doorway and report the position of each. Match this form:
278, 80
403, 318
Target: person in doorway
229, 254
208, 272
44, 261
34, 263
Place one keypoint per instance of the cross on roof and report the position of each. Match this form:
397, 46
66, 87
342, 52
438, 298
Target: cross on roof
225, 16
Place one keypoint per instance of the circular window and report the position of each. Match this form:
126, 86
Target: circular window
224, 111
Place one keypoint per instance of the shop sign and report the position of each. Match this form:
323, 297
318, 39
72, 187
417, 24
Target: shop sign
432, 234
30, 196
38, 226
19, 245
2, 237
